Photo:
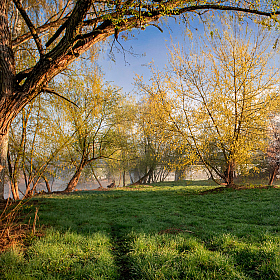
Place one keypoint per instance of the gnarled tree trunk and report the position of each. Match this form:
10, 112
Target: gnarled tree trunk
7, 76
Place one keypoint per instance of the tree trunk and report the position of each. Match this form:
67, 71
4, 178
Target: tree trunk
124, 178
47, 184
13, 179
75, 179
96, 178
179, 174
8, 96
3, 161
143, 178
14, 188
229, 174
273, 174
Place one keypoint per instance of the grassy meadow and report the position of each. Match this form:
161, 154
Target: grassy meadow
166, 231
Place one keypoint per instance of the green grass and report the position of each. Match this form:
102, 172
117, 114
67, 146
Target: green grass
167, 231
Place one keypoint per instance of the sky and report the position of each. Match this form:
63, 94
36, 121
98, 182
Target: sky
148, 45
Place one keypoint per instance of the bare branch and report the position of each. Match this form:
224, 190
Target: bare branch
150, 15
45, 27
30, 26
158, 27
57, 33
52, 91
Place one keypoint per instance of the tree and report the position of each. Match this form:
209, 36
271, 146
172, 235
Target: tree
33, 147
158, 150
124, 159
218, 99
273, 151
71, 30
90, 125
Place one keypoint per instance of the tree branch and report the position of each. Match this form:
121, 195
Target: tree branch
45, 27
23, 74
52, 91
57, 33
151, 14
158, 27
30, 26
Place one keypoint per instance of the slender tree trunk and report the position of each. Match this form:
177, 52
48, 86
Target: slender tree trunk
124, 178
179, 174
96, 178
120, 178
14, 188
13, 179
75, 179
3, 161
273, 174
47, 184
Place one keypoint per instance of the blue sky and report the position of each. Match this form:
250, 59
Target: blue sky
148, 45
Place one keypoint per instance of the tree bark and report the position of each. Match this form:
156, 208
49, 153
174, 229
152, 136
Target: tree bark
273, 174
124, 178
229, 174
7, 77
75, 179
13, 181
3, 161
47, 184
143, 178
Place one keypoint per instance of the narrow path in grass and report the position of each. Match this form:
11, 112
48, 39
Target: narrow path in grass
120, 250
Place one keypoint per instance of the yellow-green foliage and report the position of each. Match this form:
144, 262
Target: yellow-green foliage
216, 100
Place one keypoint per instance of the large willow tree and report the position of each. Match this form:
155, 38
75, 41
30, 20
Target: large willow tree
59, 31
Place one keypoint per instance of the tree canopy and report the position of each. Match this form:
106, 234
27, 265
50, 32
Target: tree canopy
39, 39
218, 99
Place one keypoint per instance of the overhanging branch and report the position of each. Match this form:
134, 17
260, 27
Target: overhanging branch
150, 14
52, 91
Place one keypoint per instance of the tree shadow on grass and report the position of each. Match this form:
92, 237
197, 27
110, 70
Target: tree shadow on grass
164, 234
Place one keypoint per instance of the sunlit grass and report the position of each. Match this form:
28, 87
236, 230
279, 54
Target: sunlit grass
166, 231
224, 257
62, 256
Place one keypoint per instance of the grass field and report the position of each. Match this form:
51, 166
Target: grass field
165, 231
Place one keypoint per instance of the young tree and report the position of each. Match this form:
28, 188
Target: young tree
91, 125
70, 28
158, 150
33, 147
218, 100
273, 151
124, 160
